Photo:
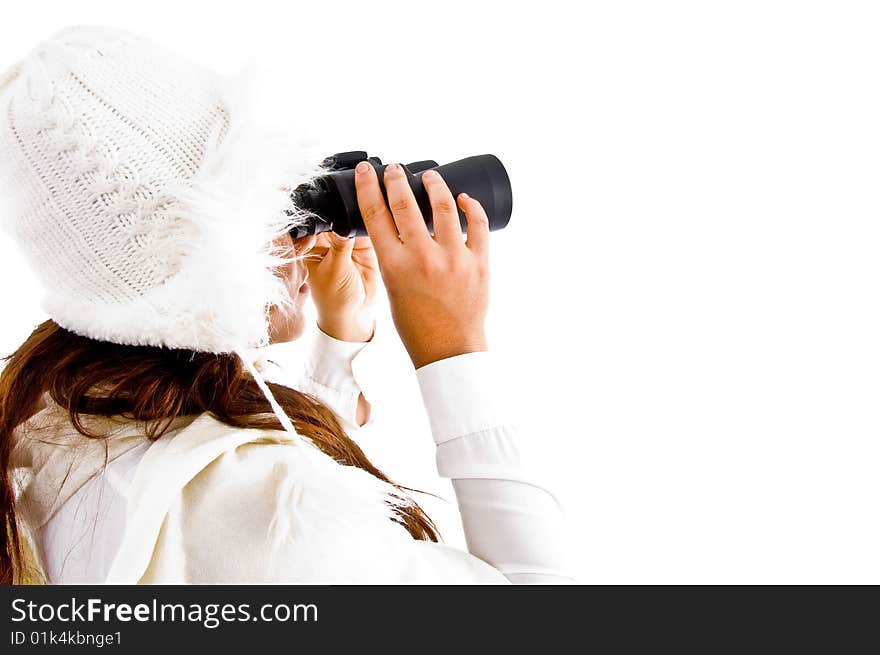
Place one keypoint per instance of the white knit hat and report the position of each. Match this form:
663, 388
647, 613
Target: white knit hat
144, 194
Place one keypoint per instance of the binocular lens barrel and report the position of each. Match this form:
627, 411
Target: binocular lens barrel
332, 198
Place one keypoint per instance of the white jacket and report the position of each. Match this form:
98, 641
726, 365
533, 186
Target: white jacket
209, 503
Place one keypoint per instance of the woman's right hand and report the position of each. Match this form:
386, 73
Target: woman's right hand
438, 286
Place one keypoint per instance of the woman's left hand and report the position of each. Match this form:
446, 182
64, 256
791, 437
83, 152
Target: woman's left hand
343, 276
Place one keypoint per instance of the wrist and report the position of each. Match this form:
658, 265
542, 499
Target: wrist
348, 328
438, 350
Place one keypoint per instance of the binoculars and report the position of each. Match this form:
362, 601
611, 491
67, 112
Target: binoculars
331, 199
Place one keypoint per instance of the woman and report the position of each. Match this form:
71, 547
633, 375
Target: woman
140, 440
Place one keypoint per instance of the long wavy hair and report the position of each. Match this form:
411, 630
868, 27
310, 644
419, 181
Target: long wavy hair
155, 385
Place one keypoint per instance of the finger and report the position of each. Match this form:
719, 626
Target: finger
363, 252
370, 275
339, 253
377, 219
367, 266
477, 224
322, 241
404, 209
317, 252
447, 227
314, 258
303, 245
362, 242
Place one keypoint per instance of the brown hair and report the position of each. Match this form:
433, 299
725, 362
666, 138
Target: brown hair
155, 385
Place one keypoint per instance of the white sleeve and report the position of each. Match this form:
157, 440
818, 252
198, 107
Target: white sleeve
329, 372
509, 520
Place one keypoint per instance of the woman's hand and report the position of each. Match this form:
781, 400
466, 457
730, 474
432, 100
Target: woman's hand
438, 286
343, 275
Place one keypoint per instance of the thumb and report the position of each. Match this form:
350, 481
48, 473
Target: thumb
339, 253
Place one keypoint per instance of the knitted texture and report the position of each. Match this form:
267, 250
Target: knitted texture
144, 193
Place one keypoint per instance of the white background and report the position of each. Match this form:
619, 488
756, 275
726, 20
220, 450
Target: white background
686, 299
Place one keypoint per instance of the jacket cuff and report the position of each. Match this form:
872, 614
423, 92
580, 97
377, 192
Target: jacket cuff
462, 396
331, 362
332, 373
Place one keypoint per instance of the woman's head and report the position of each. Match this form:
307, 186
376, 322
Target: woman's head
146, 194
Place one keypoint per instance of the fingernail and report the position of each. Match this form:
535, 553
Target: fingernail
363, 167
463, 196
392, 168
430, 174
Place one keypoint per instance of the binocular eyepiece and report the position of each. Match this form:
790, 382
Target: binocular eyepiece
331, 199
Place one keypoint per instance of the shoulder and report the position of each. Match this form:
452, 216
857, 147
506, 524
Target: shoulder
277, 482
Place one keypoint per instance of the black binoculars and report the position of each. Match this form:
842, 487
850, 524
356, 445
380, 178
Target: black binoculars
331, 199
